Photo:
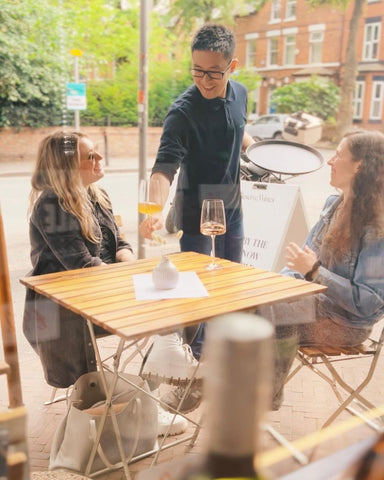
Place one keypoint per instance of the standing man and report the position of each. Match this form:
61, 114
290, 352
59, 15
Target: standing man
203, 136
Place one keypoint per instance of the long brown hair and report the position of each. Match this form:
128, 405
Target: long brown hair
57, 169
366, 204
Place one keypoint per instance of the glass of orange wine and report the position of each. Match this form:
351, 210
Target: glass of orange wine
147, 206
212, 223
150, 202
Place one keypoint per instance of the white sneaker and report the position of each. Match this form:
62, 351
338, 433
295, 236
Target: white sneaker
170, 361
176, 423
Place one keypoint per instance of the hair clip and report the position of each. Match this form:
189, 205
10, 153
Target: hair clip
69, 145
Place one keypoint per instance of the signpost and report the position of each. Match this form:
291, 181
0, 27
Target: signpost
143, 107
78, 90
76, 96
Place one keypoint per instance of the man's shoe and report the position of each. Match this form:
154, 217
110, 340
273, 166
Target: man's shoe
169, 361
176, 423
191, 401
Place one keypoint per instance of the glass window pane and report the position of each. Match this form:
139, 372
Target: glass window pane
316, 47
273, 42
251, 53
377, 101
275, 10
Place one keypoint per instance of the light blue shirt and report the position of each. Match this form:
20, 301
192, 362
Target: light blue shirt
355, 294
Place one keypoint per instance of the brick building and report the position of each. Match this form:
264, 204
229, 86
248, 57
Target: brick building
288, 41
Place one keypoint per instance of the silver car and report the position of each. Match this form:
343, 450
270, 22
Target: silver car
267, 126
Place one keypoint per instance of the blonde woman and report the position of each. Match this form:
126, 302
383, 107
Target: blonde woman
71, 226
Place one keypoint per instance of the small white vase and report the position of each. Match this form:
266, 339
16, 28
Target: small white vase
165, 275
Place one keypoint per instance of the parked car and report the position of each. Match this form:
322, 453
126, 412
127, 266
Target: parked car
267, 126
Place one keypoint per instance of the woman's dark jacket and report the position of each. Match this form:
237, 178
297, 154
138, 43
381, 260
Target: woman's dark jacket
60, 337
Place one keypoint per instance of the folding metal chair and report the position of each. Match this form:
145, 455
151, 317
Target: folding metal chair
135, 348
324, 362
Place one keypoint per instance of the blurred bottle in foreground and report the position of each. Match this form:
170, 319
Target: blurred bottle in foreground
238, 355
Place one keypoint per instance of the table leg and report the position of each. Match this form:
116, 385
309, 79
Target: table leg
108, 403
109, 393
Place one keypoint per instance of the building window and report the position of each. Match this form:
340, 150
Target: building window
289, 50
272, 51
290, 11
358, 100
250, 60
377, 100
275, 11
371, 41
315, 46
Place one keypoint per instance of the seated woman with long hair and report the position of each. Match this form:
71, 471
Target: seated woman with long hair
345, 252
71, 226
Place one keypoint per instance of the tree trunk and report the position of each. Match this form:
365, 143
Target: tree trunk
350, 72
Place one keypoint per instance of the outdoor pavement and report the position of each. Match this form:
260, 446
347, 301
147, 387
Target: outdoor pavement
308, 400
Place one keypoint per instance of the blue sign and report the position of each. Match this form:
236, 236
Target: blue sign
76, 96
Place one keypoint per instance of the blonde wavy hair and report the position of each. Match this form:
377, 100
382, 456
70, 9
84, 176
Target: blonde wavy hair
57, 170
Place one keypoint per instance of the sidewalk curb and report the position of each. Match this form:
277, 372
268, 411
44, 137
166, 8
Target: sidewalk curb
106, 170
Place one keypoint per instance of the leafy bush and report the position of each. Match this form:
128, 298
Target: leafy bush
114, 99
117, 99
317, 97
166, 83
30, 75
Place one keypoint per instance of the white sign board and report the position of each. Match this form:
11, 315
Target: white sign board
273, 217
76, 96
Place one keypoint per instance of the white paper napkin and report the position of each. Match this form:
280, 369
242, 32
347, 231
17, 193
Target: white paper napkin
188, 286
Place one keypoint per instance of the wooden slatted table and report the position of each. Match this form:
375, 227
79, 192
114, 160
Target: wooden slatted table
105, 296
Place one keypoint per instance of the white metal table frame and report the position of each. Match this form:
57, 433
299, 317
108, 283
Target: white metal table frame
108, 410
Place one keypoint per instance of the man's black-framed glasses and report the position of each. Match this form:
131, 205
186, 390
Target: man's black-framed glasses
212, 74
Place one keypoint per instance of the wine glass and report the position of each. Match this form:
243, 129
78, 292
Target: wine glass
147, 205
150, 202
212, 223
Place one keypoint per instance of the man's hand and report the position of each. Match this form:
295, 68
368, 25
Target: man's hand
150, 225
300, 260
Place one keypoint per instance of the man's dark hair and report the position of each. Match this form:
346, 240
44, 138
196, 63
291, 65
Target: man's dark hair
215, 38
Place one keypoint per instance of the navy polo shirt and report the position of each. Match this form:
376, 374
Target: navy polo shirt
203, 138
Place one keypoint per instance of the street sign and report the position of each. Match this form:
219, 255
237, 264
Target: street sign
76, 96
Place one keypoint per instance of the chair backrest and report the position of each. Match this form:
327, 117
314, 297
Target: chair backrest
7, 324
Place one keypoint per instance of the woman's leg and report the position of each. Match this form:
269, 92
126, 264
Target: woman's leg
323, 331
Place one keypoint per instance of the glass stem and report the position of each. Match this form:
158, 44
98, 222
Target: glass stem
213, 253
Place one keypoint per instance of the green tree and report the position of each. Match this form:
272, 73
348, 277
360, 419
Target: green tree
251, 80
30, 65
35, 62
187, 15
317, 97
168, 76
107, 35
348, 80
